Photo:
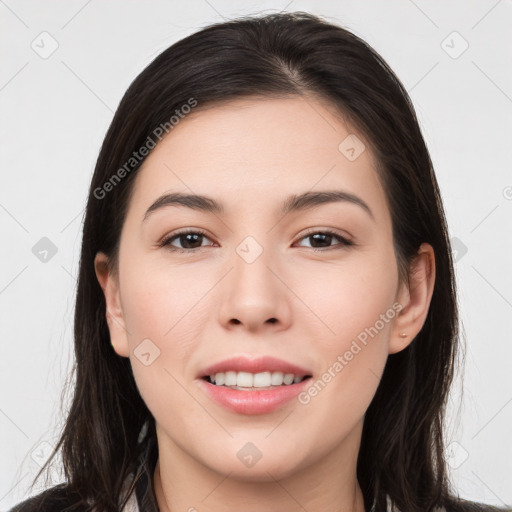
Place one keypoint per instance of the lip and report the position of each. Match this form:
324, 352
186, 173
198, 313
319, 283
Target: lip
252, 402
256, 365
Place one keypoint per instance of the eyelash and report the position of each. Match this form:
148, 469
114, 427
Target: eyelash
343, 241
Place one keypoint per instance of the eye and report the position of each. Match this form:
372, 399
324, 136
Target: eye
190, 240
321, 240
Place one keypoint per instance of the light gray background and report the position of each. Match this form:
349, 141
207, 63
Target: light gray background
56, 108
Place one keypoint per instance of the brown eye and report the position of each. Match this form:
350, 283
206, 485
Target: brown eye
189, 240
323, 240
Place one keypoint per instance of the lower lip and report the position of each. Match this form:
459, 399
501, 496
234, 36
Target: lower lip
253, 402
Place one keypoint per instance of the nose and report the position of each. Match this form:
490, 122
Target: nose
253, 296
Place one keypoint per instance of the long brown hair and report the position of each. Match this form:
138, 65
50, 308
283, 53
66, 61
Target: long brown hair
401, 455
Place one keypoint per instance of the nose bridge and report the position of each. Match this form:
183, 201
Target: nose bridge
251, 262
252, 294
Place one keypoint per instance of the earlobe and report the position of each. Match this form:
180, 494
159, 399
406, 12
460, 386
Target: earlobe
414, 296
114, 314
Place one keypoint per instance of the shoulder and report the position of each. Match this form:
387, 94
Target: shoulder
55, 499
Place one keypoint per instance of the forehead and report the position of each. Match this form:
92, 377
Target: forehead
259, 150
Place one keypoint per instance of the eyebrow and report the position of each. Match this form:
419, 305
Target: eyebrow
292, 203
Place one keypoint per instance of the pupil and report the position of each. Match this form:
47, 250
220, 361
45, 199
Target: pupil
321, 237
187, 243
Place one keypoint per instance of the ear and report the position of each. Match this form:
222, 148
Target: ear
414, 296
115, 320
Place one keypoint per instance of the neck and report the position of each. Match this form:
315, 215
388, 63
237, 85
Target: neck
182, 483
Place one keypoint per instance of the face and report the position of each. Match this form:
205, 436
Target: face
315, 286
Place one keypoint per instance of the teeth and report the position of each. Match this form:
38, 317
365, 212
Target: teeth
229, 379
288, 378
244, 379
262, 380
276, 379
254, 380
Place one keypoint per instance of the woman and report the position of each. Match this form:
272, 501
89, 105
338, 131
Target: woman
266, 315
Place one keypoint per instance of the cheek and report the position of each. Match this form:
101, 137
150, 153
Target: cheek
349, 299
160, 318
165, 308
160, 303
358, 304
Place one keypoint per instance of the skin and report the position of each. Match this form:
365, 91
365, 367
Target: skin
249, 155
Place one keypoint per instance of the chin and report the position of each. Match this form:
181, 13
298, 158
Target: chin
246, 462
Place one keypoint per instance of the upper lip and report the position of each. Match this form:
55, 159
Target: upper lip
254, 365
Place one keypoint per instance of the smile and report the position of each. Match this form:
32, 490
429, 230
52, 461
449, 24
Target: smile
253, 381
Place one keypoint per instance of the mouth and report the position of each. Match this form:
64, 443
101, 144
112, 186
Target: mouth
246, 373
246, 381
251, 386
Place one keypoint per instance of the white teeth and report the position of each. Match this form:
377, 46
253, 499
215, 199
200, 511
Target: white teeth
262, 380
277, 378
244, 379
229, 379
256, 380
288, 378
